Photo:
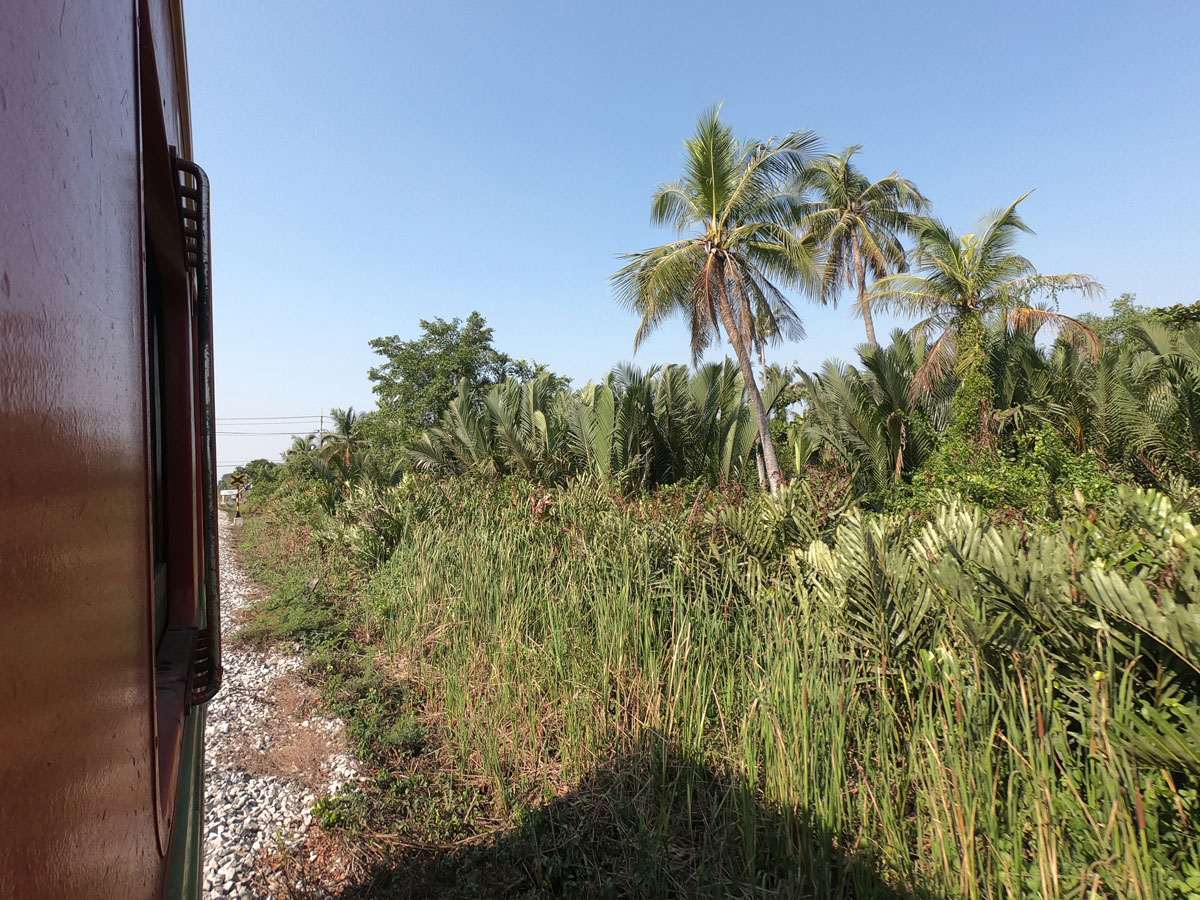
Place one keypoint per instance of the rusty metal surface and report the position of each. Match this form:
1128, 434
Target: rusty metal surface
77, 810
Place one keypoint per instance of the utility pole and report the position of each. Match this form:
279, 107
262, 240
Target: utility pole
321, 436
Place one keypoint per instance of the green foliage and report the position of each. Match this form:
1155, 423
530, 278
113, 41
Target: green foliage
295, 612
1035, 482
985, 477
635, 430
773, 529
872, 419
263, 476
1153, 403
1181, 316
419, 378
964, 281
957, 656
697, 694
1126, 314
345, 439
1021, 428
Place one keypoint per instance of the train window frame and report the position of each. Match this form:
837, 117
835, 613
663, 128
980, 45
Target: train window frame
171, 457
173, 612
183, 579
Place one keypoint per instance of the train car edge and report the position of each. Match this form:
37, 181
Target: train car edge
109, 569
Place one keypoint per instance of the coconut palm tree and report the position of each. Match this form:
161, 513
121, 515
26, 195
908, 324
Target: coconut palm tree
301, 446
344, 440
737, 253
859, 224
960, 285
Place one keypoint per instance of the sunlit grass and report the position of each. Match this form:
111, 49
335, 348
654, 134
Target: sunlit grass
553, 644
616, 681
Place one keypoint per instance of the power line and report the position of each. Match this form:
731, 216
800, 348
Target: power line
264, 418
249, 427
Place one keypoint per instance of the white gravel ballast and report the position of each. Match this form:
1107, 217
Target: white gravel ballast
268, 758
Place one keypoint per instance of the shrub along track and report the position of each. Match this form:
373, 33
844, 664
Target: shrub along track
406, 825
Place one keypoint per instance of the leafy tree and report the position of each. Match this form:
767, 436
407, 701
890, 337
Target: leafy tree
733, 204
261, 474
1180, 316
961, 283
859, 223
419, 378
256, 470
1125, 314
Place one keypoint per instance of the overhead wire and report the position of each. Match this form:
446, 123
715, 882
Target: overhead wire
237, 427
264, 418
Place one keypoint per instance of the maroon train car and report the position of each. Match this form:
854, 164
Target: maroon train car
108, 561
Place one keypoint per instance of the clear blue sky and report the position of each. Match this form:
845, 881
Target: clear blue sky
378, 163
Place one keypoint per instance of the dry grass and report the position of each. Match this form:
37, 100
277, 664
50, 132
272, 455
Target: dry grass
299, 746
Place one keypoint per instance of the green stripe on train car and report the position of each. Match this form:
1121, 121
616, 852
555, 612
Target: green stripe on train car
186, 868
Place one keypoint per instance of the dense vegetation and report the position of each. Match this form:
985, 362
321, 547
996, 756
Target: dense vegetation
927, 625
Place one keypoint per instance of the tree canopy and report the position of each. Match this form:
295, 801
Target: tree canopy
419, 378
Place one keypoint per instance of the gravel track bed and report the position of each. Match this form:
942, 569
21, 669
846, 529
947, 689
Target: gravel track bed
268, 758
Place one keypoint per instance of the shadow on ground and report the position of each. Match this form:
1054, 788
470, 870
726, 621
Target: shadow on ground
648, 825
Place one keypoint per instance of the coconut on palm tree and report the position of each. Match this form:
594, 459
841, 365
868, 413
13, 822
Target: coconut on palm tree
738, 251
963, 283
859, 224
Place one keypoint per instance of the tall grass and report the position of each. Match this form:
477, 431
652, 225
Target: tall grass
958, 709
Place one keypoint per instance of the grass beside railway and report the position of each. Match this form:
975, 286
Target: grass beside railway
571, 693
409, 798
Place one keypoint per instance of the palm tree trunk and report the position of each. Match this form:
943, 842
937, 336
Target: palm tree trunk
971, 418
774, 474
758, 453
860, 270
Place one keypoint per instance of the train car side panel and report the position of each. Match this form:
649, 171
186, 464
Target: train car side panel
77, 758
